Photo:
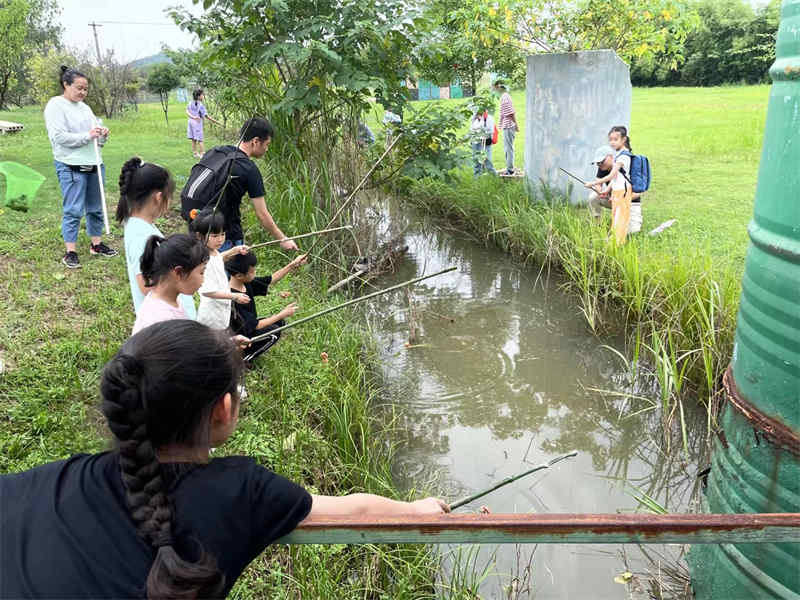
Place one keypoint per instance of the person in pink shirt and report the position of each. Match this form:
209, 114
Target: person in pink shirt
170, 266
508, 124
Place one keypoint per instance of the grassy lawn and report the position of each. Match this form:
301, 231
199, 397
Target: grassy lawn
303, 418
704, 146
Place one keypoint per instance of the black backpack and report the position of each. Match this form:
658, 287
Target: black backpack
207, 179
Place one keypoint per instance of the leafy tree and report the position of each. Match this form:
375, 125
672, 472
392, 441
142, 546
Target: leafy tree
13, 23
469, 38
431, 145
634, 29
162, 80
42, 33
733, 44
309, 65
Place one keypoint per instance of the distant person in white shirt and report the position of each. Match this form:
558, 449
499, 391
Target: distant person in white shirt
72, 129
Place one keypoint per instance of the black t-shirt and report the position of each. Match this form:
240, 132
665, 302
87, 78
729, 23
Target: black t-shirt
245, 316
245, 178
66, 532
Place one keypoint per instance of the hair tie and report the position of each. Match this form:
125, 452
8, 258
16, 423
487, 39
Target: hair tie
161, 539
193, 214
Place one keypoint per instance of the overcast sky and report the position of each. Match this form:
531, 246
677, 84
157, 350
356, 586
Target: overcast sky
132, 40
141, 29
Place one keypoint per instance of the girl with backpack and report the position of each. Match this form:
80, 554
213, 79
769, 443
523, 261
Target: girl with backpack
156, 517
481, 140
619, 182
145, 191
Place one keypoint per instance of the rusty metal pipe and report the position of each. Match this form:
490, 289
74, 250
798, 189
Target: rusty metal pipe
550, 529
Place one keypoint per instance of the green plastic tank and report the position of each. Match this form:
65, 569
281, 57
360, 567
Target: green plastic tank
756, 458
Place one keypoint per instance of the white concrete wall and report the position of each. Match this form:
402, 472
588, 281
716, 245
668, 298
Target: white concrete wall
572, 100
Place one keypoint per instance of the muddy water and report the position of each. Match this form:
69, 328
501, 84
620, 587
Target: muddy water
505, 374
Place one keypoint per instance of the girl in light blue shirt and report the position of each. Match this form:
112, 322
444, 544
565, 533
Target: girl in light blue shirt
145, 190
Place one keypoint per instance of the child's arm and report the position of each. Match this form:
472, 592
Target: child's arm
286, 312
234, 251
140, 283
292, 266
237, 297
191, 116
607, 178
370, 504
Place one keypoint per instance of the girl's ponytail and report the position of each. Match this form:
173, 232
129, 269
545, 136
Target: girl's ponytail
137, 181
148, 402
147, 263
162, 255
125, 177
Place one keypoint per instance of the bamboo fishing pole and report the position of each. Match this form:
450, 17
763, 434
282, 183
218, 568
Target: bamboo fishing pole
298, 237
358, 187
263, 336
512, 479
573, 176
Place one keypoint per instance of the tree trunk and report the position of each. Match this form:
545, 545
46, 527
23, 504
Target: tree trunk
4, 90
165, 106
472, 79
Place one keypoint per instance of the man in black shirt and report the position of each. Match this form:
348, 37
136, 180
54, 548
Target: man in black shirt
256, 135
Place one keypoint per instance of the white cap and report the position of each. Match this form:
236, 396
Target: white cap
601, 153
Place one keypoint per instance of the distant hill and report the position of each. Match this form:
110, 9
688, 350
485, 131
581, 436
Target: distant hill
148, 61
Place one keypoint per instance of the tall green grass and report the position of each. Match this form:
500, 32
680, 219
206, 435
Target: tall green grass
681, 319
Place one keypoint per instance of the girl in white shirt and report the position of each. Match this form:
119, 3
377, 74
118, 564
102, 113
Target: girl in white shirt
215, 294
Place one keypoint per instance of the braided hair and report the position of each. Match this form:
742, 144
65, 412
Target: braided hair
137, 181
160, 389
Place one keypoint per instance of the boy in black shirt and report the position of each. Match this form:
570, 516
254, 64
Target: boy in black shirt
244, 317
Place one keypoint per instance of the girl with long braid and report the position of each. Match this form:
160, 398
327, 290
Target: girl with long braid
157, 517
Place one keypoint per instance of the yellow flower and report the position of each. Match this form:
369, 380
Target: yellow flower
492, 11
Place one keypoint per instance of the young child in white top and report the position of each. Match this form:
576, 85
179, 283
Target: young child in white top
216, 296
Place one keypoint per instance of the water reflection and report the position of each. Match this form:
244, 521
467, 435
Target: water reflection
511, 382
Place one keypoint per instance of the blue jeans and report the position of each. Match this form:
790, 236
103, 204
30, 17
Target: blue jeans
81, 194
508, 146
482, 159
230, 244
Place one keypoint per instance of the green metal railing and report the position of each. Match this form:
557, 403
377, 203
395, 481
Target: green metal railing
551, 529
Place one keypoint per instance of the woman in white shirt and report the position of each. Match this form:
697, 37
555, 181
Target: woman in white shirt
72, 129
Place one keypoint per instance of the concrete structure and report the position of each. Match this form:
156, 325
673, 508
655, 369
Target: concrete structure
572, 100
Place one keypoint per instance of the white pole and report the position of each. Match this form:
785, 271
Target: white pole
99, 164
